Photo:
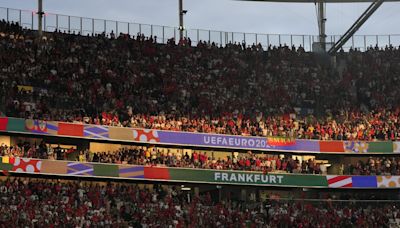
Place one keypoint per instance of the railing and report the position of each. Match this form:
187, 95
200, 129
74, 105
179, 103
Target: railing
205, 140
28, 19
192, 175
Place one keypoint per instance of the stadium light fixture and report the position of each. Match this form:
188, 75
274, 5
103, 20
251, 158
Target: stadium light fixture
181, 12
183, 188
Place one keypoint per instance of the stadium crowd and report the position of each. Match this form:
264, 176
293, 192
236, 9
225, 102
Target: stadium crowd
26, 202
164, 157
127, 81
137, 155
134, 81
375, 166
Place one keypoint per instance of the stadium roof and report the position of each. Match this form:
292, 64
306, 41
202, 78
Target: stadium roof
318, 1
320, 5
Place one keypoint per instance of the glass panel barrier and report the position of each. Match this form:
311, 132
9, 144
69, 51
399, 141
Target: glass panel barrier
88, 26
383, 41
158, 32
250, 39
395, 40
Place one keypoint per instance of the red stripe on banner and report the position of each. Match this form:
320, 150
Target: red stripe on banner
70, 129
337, 178
3, 123
347, 185
331, 146
156, 173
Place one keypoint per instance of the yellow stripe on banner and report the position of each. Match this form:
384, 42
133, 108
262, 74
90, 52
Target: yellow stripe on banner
56, 167
120, 133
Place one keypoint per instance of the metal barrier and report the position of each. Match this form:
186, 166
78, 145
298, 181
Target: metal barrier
89, 26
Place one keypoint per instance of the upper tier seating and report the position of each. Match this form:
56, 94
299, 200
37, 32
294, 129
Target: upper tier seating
237, 89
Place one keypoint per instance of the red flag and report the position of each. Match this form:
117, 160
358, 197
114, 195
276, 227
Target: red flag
3, 123
70, 129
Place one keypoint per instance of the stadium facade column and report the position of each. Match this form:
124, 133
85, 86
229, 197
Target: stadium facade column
196, 191
243, 195
321, 24
181, 13
40, 18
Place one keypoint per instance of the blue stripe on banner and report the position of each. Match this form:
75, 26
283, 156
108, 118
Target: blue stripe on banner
52, 127
140, 176
364, 181
39, 132
89, 134
80, 166
130, 169
79, 169
93, 135
97, 130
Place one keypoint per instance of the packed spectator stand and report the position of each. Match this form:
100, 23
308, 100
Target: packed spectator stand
155, 157
138, 155
238, 89
28, 202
